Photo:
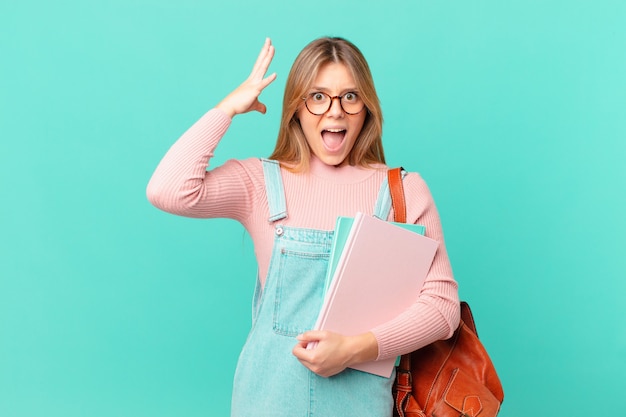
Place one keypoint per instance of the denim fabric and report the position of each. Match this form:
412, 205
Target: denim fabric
383, 203
269, 380
274, 190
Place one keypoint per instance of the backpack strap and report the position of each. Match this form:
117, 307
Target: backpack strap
396, 189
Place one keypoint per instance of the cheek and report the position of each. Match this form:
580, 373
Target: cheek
302, 114
358, 126
308, 124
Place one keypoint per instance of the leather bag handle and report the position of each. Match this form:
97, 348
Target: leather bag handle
404, 383
396, 189
398, 202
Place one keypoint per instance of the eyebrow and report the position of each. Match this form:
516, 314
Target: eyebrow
345, 90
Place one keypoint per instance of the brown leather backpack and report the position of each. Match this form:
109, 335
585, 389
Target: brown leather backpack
448, 378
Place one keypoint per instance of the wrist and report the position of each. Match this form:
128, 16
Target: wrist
364, 348
226, 109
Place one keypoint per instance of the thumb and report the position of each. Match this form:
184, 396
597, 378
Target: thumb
260, 107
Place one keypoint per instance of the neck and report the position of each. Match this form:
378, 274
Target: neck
344, 174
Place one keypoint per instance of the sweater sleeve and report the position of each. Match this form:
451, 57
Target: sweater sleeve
182, 185
435, 315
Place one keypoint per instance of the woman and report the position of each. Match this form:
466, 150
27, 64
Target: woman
328, 162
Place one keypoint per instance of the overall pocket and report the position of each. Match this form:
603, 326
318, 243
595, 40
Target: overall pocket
299, 291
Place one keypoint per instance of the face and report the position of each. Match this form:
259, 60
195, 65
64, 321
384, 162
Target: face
332, 135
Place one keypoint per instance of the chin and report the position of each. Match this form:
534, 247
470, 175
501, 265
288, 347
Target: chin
334, 161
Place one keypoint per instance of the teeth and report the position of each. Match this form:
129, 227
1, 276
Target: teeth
335, 130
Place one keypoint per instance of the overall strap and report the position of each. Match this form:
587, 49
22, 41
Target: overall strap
384, 201
274, 190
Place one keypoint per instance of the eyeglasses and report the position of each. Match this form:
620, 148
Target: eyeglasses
318, 103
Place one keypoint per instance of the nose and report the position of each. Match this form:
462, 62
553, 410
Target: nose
335, 109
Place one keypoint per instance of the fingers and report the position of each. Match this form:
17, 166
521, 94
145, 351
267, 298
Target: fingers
322, 360
307, 341
267, 81
262, 54
312, 336
257, 76
245, 98
304, 355
263, 61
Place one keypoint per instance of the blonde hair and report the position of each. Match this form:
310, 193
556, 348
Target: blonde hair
291, 145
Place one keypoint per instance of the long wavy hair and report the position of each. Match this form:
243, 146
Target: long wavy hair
292, 148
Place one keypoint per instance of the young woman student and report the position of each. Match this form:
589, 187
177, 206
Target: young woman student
328, 161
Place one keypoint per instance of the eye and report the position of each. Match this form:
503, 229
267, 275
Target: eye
318, 96
350, 97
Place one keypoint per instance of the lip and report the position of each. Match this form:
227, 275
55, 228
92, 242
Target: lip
335, 128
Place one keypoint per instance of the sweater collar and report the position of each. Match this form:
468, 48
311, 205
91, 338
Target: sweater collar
346, 174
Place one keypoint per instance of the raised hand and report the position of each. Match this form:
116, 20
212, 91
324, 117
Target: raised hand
245, 98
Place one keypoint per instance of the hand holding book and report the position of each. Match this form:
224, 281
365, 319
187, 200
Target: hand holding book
334, 352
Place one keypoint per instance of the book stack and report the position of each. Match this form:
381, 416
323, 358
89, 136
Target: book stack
376, 271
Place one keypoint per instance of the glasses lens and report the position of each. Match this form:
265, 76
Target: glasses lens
351, 103
318, 103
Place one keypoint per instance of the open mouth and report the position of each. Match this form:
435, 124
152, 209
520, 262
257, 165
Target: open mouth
333, 138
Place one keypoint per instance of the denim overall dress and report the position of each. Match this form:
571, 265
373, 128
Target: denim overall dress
269, 380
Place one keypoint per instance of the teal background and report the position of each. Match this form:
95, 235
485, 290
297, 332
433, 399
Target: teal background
513, 111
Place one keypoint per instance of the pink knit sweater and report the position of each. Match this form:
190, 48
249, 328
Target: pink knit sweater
182, 185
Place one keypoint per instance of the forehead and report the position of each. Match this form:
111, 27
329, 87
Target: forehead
334, 76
